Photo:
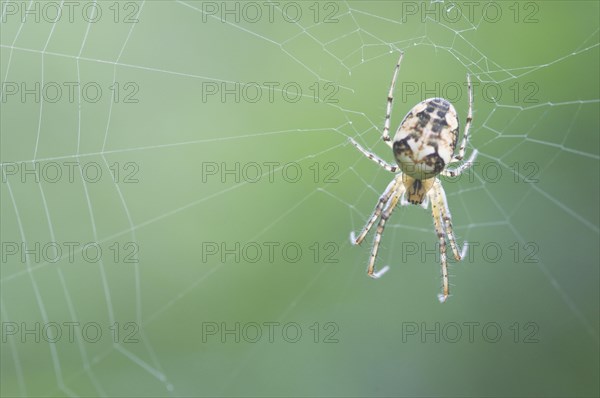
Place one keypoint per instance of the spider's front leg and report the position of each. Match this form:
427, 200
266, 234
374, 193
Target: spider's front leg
387, 212
383, 200
436, 210
444, 211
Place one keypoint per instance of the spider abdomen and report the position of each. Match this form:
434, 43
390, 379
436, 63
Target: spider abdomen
425, 141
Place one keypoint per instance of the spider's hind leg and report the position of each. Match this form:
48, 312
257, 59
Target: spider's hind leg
390, 99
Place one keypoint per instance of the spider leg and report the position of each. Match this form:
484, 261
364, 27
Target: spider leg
447, 217
459, 170
390, 99
439, 229
461, 152
389, 167
383, 199
387, 212
425, 203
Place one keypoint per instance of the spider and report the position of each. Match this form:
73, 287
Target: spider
423, 147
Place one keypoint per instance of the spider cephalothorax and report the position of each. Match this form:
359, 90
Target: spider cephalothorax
423, 148
416, 190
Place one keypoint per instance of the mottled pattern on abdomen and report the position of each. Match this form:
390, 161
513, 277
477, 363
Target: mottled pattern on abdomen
425, 141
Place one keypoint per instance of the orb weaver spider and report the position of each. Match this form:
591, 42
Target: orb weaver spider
423, 147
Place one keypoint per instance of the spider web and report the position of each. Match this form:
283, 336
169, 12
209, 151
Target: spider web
541, 133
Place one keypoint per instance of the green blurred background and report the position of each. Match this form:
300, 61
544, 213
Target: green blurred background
167, 126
